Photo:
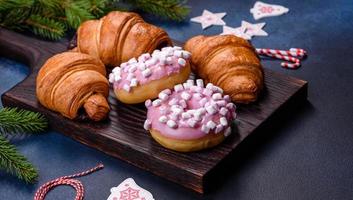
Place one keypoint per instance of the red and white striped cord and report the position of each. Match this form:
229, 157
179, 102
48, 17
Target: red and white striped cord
66, 180
293, 55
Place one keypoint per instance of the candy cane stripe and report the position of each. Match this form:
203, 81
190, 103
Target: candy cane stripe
293, 55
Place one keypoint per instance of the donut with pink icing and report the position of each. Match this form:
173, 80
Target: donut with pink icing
143, 78
190, 117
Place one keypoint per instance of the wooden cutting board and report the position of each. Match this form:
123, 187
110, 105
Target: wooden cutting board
123, 136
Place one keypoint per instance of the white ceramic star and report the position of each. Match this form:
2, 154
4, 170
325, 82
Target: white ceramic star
254, 29
239, 32
208, 19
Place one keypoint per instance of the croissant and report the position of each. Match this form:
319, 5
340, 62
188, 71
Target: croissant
229, 62
119, 36
70, 80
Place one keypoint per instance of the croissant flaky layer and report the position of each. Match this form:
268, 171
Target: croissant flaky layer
229, 62
69, 81
119, 36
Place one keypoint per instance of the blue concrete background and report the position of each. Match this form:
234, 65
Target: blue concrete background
306, 155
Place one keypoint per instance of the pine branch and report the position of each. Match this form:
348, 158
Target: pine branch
16, 164
77, 12
14, 121
52, 18
172, 9
11, 4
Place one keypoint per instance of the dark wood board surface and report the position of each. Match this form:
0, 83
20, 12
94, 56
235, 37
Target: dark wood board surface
123, 136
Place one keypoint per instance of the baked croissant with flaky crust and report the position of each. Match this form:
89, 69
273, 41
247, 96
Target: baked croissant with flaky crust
119, 36
229, 62
69, 81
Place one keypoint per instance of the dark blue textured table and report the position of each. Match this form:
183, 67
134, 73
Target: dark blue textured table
304, 154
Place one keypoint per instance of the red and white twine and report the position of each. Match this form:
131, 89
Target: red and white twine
66, 180
293, 55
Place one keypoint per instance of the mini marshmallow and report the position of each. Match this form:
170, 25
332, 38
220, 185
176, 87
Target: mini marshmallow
215, 89
211, 125
174, 101
148, 103
221, 103
177, 48
192, 123
183, 103
126, 88
111, 78
117, 78
198, 115
186, 55
230, 106
167, 91
178, 53
132, 60
207, 92
116, 69
141, 66
226, 97
185, 115
156, 102
147, 124
166, 48
162, 59
133, 82
117, 73
169, 60
190, 82
209, 86
205, 129
199, 82
202, 110
219, 128
130, 76
216, 96
178, 88
151, 62
171, 124
132, 69
211, 109
146, 73
186, 86
181, 61
197, 96
163, 96
177, 110
146, 55
220, 90
156, 51
197, 89
141, 59
186, 96
123, 65
174, 116
163, 119
223, 111
203, 101
223, 121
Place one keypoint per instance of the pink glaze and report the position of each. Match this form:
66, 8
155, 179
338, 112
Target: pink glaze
170, 60
182, 129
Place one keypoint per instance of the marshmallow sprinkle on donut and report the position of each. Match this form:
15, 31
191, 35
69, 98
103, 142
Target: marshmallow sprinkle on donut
191, 117
140, 79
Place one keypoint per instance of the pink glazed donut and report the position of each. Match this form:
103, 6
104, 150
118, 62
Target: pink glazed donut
143, 78
191, 117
